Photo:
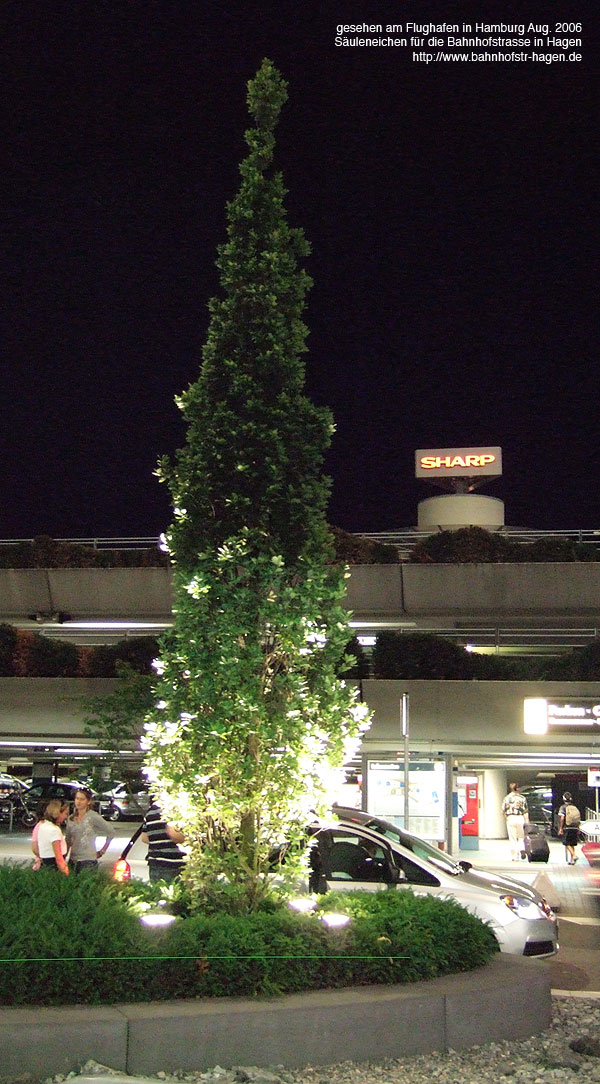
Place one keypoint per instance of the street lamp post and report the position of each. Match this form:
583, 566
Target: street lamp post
405, 736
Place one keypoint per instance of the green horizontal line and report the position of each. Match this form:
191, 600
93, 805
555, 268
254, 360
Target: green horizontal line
100, 959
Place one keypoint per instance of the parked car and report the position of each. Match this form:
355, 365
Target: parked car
362, 851
368, 853
43, 792
122, 802
10, 783
539, 804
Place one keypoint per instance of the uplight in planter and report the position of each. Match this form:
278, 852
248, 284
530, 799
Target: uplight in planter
157, 918
303, 904
333, 920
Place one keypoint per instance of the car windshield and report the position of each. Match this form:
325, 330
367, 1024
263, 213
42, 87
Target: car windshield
419, 847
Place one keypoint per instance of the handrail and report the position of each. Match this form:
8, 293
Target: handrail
525, 534
405, 539
495, 636
95, 543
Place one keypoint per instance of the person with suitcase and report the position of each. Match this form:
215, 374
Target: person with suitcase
515, 811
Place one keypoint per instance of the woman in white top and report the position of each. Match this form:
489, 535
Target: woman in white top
82, 828
51, 843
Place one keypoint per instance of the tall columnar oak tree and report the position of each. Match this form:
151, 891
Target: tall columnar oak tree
252, 717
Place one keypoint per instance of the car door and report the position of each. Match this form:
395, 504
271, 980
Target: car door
346, 859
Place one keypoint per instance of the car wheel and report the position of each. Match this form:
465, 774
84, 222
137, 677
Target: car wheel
113, 813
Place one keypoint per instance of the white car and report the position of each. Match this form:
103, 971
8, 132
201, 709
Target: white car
376, 854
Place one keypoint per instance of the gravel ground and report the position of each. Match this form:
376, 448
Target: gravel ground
567, 1053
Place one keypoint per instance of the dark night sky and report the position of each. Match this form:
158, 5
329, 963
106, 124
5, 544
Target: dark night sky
450, 212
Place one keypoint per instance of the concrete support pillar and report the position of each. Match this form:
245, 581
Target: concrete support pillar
454, 834
495, 786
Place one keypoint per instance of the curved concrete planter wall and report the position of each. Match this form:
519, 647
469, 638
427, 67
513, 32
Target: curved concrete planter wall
361, 1023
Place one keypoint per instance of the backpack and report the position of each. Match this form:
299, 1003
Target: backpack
572, 816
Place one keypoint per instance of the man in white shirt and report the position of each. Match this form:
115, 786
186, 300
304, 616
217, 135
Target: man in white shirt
515, 811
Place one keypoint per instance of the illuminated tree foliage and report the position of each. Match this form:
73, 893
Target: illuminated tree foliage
252, 718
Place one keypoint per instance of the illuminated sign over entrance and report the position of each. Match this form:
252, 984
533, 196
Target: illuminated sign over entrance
457, 462
574, 716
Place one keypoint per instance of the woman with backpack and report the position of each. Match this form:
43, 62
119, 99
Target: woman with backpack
569, 819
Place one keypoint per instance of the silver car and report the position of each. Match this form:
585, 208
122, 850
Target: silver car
349, 855
124, 803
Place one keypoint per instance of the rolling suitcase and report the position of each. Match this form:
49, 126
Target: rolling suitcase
534, 844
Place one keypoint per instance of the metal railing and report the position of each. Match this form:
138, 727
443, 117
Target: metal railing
94, 543
405, 539
499, 637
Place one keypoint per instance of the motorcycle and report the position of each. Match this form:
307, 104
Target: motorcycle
15, 810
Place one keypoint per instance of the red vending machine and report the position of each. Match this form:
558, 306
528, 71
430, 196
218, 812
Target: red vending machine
468, 800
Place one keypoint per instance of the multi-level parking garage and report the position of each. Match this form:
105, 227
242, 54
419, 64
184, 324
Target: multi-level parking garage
465, 737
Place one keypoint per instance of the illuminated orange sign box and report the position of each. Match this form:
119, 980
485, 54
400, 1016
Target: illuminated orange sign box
454, 462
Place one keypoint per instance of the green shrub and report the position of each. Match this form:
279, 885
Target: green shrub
436, 936
138, 653
46, 552
353, 550
422, 656
54, 921
51, 658
78, 940
549, 549
476, 545
467, 545
38, 656
419, 655
245, 955
581, 664
8, 642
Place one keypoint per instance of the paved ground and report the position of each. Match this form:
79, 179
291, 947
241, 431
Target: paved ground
16, 846
574, 889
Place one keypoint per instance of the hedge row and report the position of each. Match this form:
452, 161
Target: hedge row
467, 545
408, 656
78, 940
46, 552
423, 656
27, 654
474, 545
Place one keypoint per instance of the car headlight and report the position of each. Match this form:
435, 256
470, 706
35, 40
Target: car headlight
525, 908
